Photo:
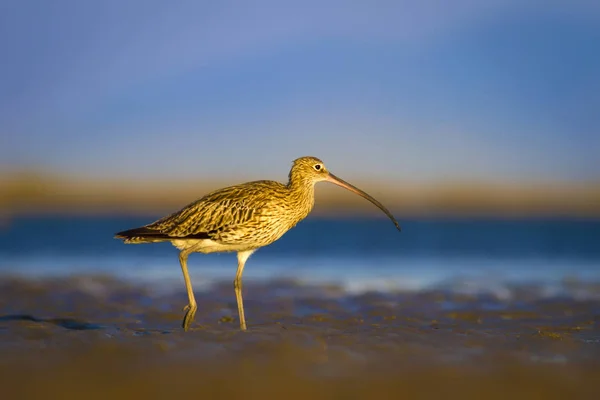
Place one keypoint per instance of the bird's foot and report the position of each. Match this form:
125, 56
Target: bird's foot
190, 310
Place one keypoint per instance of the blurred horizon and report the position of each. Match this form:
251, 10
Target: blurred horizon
498, 93
31, 193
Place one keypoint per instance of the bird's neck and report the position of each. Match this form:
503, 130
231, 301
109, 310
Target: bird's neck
300, 183
302, 192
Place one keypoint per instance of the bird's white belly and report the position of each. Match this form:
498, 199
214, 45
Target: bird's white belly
204, 246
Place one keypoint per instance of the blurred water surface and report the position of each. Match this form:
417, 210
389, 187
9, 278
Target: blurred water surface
358, 254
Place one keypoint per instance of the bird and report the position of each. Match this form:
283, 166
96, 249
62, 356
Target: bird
242, 219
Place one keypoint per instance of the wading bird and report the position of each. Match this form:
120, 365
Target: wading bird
240, 218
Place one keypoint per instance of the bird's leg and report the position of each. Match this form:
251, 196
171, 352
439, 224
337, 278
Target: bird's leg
237, 285
191, 308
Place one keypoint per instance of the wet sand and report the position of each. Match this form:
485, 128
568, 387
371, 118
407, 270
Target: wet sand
96, 337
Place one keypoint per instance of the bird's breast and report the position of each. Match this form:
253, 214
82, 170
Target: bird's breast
270, 217
264, 229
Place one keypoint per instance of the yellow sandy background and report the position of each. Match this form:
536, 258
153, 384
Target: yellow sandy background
27, 192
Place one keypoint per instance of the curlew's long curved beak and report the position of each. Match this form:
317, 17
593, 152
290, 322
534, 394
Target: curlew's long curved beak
340, 182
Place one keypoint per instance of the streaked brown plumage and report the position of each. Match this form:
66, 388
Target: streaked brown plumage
240, 218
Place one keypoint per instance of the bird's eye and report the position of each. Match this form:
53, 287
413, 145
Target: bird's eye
318, 167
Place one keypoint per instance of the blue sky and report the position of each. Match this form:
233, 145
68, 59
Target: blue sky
420, 91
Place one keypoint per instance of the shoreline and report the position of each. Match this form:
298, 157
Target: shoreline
47, 194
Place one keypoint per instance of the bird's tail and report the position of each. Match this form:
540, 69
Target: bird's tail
141, 235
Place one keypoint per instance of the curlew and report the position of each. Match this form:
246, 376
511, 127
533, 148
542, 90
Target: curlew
242, 219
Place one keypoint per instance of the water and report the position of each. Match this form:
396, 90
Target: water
357, 254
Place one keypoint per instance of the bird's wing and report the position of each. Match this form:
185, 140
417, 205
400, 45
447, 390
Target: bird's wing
223, 211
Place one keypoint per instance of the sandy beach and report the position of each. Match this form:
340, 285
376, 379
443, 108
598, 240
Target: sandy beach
99, 337
35, 192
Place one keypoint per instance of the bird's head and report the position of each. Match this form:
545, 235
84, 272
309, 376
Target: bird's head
310, 170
